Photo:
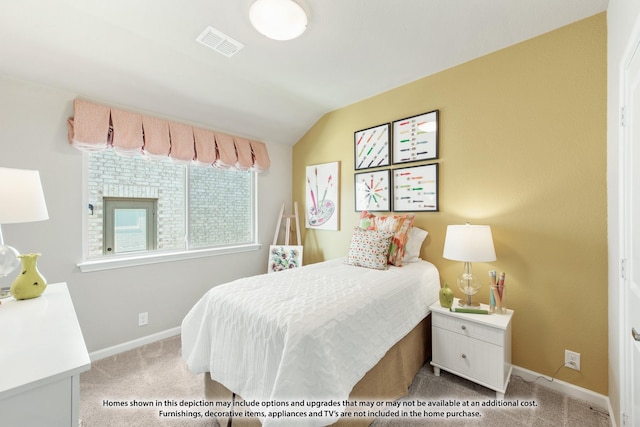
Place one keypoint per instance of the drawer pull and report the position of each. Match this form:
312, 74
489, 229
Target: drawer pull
464, 328
464, 356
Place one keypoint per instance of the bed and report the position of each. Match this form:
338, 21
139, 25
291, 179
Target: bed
329, 332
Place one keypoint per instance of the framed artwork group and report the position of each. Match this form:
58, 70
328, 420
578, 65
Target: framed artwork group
393, 145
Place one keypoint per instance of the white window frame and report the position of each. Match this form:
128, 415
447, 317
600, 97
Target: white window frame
146, 258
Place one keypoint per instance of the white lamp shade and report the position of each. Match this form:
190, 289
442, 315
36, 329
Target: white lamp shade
469, 243
21, 196
278, 19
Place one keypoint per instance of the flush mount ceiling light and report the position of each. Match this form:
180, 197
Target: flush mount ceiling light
278, 19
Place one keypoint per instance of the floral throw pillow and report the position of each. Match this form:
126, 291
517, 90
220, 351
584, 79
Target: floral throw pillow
399, 225
369, 248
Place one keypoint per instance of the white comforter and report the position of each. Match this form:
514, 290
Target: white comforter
309, 333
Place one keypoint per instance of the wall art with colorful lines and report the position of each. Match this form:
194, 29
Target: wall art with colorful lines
373, 191
322, 203
415, 188
372, 147
415, 138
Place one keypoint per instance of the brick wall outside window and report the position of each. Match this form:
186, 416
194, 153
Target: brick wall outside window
220, 201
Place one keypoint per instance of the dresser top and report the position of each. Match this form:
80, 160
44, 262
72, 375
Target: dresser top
492, 319
40, 341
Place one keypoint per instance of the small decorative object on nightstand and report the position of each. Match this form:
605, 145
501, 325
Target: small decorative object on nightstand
29, 283
446, 296
473, 346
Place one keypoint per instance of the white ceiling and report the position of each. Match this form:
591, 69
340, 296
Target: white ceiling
142, 54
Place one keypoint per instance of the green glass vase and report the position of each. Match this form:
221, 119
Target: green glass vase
29, 283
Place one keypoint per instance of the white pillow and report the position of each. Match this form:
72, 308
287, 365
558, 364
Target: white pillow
413, 245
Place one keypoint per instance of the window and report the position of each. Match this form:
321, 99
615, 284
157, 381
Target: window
129, 225
148, 207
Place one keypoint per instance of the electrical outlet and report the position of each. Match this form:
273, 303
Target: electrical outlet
143, 318
572, 360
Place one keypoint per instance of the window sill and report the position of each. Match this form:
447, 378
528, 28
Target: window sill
155, 258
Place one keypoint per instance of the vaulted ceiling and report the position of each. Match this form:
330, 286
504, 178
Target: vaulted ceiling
143, 55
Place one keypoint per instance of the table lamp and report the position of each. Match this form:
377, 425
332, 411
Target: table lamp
469, 243
21, 200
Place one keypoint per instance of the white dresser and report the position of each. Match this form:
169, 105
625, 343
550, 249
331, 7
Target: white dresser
473, 346
42, 353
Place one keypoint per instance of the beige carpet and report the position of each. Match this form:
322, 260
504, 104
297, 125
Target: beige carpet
155, 375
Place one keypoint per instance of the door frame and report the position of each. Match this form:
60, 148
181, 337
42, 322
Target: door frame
627, 413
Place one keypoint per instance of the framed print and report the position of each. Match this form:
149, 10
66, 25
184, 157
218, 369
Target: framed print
416, 138
371, 147
415, 189
373, 191
284, 257
321, 204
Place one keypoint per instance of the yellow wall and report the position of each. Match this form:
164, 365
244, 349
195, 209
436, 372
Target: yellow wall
522, 149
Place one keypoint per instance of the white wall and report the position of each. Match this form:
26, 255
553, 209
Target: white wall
33, 135
621, 16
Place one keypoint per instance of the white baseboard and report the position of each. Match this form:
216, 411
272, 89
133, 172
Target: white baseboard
130, 345
597, 399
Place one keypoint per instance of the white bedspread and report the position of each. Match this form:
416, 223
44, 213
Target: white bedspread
309, 333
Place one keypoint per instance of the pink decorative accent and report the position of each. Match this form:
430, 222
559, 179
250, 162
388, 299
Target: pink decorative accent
205, 146
182, 145
89, 128
97, 127
127, 131
261, 160
157, 142
226, 151
243, 148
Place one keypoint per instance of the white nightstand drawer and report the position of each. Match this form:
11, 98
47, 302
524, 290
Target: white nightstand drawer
469, 329
469, 357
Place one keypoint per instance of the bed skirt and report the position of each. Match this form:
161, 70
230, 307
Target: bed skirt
388, 380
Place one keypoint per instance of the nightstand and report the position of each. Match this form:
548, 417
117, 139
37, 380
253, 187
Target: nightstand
473, 346
43, 354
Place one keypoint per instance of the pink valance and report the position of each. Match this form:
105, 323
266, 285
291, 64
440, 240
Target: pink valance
156, 135
205, 146
227, 156
127, 138
97, 127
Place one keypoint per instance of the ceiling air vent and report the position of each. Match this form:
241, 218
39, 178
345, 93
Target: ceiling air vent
219, 41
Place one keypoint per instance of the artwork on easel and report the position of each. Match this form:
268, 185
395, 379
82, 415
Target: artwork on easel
284, 257
321, 204
371, 147
415, 189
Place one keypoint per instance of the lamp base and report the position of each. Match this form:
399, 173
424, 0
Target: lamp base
468, 304
8, 259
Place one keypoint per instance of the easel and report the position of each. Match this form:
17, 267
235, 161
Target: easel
287, 231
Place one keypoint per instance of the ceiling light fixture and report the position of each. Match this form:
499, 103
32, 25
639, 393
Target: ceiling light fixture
278, 19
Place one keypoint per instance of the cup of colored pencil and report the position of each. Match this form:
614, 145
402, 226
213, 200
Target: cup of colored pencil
496, 293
